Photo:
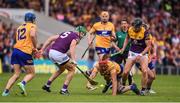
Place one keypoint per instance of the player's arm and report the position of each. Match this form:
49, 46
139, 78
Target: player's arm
115, 46
148, 45
114, 81
154, 48
94, 73
91, 35
72, 49
126, 41
49, 41
33, 36
92, 76
113, 35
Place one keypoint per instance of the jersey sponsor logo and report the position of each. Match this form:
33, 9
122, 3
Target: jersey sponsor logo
103, 33
119, 36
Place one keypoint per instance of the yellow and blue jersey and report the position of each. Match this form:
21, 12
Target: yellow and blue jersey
23, 38
110, 66
22, 53
103, 33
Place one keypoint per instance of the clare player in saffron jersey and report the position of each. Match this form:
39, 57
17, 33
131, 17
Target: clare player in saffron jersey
26, 41
112, 72
104, 32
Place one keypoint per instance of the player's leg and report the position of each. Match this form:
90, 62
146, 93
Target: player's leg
122, 89
107, 86
130, 78
100, 56
52, 78
150, 81
127, 68
151, 78
12, 80
71, 70
30, 73
144, 66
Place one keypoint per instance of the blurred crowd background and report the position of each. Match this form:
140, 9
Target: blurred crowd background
161, 15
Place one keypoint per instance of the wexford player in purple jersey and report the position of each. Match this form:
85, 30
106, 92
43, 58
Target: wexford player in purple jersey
140, 45
63, 43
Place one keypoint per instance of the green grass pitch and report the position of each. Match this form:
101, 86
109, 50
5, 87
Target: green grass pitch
167, 88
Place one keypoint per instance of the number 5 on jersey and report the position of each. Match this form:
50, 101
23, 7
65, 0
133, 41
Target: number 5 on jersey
65, 34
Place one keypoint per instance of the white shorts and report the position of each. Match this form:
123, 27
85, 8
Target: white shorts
133, 55
58, 57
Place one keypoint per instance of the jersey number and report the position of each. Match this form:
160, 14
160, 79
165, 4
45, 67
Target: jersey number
65, 34
21, 34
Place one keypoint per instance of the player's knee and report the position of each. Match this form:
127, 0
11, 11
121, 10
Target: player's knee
153, 77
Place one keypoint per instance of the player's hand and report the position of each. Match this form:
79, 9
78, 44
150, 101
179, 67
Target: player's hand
154, 56
117, 49
36, 53
74, 62
41, 52
121, 50
112, 38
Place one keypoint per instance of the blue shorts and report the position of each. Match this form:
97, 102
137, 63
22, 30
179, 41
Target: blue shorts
151, 65
101, 50
21, 58
119, 75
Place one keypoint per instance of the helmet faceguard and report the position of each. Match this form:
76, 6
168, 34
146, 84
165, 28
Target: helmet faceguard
137, 23
82, 30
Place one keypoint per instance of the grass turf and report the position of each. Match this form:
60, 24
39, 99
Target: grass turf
167, 88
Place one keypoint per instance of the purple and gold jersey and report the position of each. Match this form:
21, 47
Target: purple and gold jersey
63, 42
138, 39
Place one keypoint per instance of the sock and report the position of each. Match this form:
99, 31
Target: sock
132, 87
143, 89
48, 83
6, 90
130, 79
23, 82
149, 88
64, 87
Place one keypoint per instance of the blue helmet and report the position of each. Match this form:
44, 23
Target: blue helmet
29, 17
